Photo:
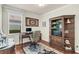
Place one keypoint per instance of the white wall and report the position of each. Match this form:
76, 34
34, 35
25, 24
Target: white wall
66, 10
32, 15
0, 17
8, 9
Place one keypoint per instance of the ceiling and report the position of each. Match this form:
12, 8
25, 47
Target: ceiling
37, 9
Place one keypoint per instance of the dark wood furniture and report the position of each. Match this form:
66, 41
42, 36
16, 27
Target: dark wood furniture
62, 36
24, 35
10, 50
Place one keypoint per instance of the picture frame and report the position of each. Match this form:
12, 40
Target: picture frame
32, 22
43, 24
14, 23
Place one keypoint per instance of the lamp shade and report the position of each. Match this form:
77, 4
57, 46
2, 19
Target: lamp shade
68, 21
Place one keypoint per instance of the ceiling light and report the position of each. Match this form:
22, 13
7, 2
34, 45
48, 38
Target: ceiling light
41, 4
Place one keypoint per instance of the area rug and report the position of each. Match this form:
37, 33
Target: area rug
40, 49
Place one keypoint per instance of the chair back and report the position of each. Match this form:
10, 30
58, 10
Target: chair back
36, 36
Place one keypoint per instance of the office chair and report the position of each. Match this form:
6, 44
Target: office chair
35, 37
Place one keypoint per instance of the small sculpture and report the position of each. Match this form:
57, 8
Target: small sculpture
67, 42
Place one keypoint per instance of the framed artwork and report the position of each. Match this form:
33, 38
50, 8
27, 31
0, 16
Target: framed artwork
32, 22
44, 24
14, 23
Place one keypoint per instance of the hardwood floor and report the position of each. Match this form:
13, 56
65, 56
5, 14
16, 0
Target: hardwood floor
67, 52
19, 50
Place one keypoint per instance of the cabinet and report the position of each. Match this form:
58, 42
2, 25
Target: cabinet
61, 30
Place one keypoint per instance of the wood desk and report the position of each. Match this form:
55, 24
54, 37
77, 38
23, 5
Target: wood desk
25, 35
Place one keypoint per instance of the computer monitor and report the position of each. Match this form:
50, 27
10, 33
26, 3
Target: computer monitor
28, 29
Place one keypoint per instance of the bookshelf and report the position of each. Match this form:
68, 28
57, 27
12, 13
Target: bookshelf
61, 30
